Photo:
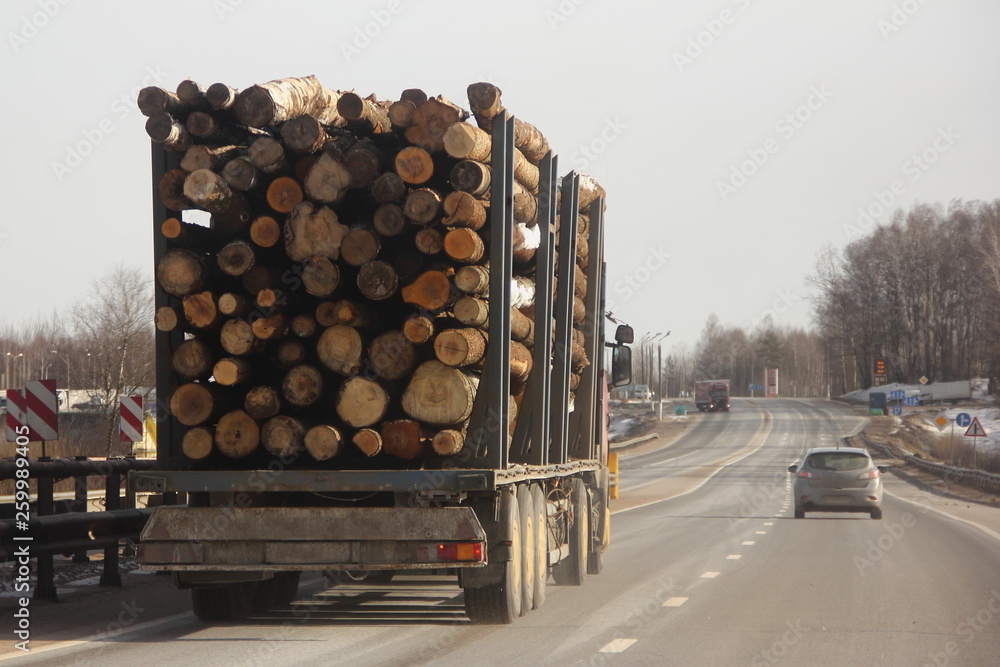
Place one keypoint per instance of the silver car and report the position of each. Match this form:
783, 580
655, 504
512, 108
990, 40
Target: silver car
843, 479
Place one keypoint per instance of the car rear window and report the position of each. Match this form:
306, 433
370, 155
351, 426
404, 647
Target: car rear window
838, 461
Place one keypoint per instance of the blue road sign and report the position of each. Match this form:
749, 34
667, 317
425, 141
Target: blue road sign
897, 393
897, 410
911, 401
963, 419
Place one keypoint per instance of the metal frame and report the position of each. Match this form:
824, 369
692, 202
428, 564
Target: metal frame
395, 481
489, 423
583, 428
168, 438
559, 450
532, 433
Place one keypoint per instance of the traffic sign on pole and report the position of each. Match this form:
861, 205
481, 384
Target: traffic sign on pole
963, 419
131, 419
976, 430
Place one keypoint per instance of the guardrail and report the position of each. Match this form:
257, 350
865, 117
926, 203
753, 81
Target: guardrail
627, 444
75, 531
967, 476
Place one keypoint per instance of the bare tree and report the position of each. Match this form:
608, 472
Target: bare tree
115, 327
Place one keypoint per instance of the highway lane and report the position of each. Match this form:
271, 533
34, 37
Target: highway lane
718, 575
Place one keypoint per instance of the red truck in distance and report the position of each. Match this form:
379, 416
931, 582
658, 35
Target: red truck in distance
711, 395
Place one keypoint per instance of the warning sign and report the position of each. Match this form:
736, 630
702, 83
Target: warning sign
976, 429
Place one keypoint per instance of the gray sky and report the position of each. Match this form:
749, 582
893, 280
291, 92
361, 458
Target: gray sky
736, 138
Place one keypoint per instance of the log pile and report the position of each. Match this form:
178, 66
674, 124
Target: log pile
336, 306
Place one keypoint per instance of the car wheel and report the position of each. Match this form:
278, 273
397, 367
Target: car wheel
877, 514
800, 514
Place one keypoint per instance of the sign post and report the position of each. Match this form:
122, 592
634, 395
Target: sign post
975, 430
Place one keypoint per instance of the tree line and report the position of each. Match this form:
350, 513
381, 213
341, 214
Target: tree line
921, 292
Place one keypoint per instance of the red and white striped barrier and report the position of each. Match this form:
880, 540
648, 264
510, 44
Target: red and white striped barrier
43, 408
131, 419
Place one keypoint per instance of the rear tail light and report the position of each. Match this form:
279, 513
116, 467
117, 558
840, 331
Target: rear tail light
871, 474
808, 475
450, 552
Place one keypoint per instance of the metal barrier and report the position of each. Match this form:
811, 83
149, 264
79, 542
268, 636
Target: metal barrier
627, 444
78, 531
969, 477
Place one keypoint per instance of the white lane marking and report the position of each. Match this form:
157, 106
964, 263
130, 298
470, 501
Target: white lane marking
760, 532
733, 557
618, 645
703, 482
981, 527
749, 543
768, 523
67, 644
710, 575
674, 602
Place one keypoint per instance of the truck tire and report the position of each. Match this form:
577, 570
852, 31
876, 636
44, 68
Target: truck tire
541, 545
223, 603
595, 559
526, 509
571, 570
500, 604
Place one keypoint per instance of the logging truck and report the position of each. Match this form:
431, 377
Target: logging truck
385, 353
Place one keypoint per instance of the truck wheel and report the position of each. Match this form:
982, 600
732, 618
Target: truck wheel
571, 570
500, 603
223, 603
527, 511
541, 554
595, 559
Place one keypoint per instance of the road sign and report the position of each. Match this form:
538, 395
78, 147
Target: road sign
131, 419
942, 422
897, 394
897, 410
43, 408
924, 380
17, 417
963, 419
911, 401
976, 430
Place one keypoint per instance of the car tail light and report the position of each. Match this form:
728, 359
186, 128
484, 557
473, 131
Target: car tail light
871, 474
808, 475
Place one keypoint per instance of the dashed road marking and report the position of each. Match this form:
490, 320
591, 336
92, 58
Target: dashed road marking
733, 557
760, 532
749, 543
617, 645
768, 523
710, 575
674, 602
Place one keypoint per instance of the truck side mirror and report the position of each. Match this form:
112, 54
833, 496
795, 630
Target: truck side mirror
624, 334
621, 365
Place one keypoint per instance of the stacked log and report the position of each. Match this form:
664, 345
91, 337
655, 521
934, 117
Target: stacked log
336, 307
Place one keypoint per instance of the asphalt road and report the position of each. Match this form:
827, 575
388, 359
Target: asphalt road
707, 567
